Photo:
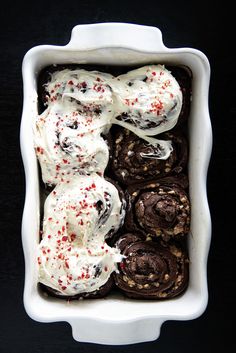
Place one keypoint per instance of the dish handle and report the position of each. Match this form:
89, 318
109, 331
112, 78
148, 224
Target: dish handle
116, 333
125, 35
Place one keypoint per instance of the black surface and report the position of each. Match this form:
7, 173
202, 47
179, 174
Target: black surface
209, 28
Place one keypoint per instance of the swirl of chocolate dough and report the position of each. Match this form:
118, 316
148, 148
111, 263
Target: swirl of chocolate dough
111, 235
135, 160
151, 270
159, 208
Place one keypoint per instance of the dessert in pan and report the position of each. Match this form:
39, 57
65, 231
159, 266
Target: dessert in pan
150, 269
113, 157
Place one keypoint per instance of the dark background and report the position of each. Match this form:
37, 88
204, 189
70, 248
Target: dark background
209, 28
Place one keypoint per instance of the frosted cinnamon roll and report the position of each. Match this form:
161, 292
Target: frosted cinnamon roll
101, 292
88, 91
149, 99
67, 134
150, 270
135, 160
159, 208
68, 145
73, 256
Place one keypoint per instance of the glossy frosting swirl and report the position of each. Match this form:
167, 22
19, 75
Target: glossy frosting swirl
90, 92
150, 100
73, 256
68, 145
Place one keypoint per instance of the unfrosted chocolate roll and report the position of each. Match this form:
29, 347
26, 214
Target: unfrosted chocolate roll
159, 208
151, 270
134, 160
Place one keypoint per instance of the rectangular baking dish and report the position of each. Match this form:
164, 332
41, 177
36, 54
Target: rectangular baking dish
115, 319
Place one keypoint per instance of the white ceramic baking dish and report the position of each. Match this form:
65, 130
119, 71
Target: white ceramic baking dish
118, 320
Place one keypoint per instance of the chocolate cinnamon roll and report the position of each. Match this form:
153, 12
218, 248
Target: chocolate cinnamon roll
135, 160
150, 270
111, 235
149, 100
99, 293
159, 208
73, 257
66, 147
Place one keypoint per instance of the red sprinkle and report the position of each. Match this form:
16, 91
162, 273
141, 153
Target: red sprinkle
73, 236
39, 150
122, 265
84, 84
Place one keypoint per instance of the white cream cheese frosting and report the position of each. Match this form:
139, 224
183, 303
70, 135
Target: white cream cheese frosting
82, 105
73, 256
90, 91
149, 98
68, 144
